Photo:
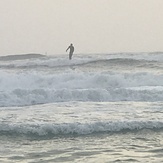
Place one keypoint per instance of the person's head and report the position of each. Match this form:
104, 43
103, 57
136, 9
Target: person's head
71, 44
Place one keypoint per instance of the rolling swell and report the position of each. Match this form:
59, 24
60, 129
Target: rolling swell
20, 57
41, 61
77, 128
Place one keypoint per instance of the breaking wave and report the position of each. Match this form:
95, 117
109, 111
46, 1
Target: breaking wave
38, 79
53, 129
33, 88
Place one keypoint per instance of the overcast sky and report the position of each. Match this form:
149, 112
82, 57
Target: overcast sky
93, 26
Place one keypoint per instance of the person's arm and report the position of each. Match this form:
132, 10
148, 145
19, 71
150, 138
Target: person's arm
67, 48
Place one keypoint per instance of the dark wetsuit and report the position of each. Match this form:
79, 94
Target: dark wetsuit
71, 51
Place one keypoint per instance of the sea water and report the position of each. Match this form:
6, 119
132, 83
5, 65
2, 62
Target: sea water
103, 108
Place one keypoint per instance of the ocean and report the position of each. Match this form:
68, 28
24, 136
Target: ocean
96, 108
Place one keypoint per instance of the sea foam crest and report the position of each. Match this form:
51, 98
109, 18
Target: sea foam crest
33, 88
52, 129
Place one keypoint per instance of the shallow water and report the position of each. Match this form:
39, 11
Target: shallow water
78, 132
143, 146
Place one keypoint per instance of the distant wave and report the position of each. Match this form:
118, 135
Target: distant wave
20, 57
98, 60
63, 63
53, 129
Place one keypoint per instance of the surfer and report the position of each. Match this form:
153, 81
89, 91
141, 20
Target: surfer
71, 47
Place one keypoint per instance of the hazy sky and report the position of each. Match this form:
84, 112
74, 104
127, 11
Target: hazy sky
93, 26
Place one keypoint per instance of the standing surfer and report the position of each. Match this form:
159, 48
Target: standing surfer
71, 47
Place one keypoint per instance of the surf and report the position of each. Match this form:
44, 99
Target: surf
29, 88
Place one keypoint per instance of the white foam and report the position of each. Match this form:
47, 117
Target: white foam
34, 88
74, 80
77, 128
25, 86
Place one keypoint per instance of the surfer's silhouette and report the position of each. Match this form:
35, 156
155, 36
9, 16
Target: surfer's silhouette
71, 47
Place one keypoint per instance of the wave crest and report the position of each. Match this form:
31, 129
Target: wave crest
52, 129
